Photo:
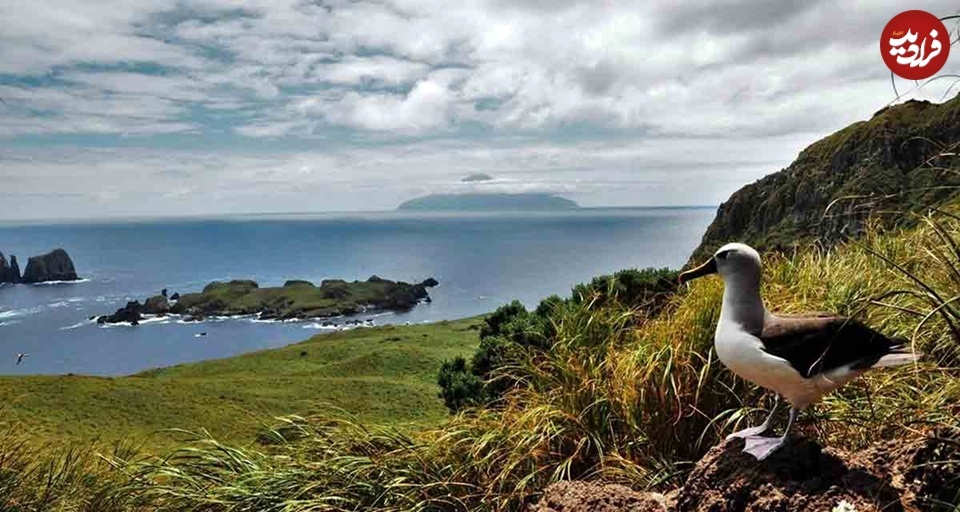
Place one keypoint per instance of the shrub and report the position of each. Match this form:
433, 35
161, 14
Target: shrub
511, 333
459, 387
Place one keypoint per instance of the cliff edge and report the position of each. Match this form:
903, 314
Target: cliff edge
892, 163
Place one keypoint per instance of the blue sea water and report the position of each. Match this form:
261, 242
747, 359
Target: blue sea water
481, 261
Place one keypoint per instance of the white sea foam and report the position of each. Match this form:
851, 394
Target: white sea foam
11, 322
66, 302
181, 319
272, 320
115, 325
19, 312
79, 324
128, 324
76, 281
147, 320
321, 327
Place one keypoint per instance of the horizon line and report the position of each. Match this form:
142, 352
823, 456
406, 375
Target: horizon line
217, 216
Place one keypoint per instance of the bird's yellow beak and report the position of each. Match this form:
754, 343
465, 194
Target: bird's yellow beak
710, 267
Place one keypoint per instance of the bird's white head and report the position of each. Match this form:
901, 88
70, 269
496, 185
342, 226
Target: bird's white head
739, 266
735, 262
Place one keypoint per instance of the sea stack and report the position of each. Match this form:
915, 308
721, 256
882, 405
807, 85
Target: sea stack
56, 265
14, 269
9, 273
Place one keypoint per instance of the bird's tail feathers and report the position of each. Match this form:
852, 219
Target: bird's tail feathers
896, 359
900, 354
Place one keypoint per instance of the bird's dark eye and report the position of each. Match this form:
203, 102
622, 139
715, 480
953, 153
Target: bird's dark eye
723, 254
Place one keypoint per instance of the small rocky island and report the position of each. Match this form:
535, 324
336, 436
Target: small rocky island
55, 265
295, 300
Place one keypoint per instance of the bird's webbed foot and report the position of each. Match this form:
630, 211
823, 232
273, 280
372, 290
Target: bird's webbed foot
761, 447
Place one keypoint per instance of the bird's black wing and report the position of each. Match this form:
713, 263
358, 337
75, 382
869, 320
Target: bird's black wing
820, 343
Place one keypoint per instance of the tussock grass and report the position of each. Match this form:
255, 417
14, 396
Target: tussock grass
619, 395
71, 477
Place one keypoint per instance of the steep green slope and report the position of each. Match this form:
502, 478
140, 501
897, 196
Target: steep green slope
885, 165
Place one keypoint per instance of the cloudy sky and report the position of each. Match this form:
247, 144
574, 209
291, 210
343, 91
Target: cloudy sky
162, 107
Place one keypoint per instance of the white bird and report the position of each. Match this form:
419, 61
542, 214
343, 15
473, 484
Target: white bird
800, 358
20, 356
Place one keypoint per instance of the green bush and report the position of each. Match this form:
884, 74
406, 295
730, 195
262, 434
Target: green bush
459, 387
511, 333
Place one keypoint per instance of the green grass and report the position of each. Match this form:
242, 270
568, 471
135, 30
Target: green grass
384, 375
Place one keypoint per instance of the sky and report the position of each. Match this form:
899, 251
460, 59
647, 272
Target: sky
207, 107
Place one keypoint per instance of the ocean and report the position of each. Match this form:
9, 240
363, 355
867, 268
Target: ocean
482, 260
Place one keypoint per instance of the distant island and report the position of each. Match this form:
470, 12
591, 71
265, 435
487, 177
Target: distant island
296, 299
475, 177
489, 202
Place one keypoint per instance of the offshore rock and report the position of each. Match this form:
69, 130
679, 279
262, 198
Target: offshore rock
56, 265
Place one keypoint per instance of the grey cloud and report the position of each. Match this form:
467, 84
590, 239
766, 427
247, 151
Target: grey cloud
729, 17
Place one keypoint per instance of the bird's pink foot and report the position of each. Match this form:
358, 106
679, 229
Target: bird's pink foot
761, 447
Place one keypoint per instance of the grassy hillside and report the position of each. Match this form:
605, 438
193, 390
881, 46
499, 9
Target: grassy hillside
383, 375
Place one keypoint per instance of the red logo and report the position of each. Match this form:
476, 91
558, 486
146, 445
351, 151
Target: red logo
915, 45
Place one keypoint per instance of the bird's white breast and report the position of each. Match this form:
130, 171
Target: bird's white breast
743, 354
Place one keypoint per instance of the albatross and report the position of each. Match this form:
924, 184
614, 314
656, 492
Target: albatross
799, 357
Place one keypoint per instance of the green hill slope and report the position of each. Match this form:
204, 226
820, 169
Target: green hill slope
384, 375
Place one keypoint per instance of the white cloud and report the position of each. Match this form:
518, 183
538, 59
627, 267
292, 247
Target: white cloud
427, 106
376, 71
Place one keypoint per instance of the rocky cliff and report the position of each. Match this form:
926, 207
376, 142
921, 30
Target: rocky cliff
900, 160
56, 265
